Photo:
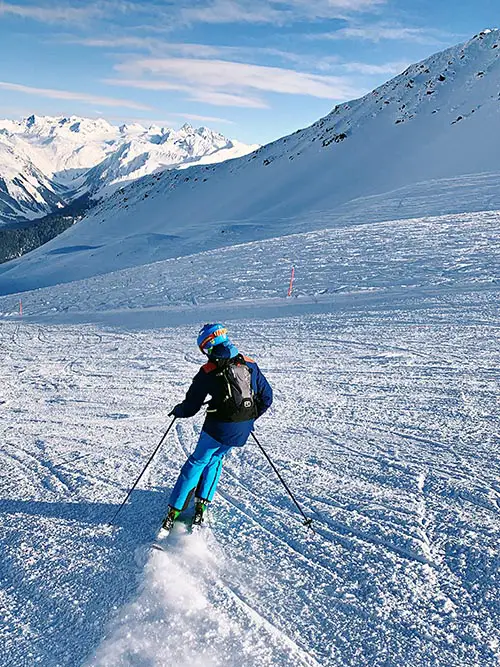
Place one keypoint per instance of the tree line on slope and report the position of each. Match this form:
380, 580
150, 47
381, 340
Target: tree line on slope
16, 241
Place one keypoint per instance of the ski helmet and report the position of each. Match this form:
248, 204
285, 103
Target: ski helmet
211, 335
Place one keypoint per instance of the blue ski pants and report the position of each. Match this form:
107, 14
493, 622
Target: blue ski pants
201, 471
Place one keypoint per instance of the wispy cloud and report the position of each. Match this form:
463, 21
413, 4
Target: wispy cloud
377, 32
228, 11
272, 11
204, 119
328, 9
52, 13
160, 47
197, 94
312, 62
223, 77
71, 95
80, 12
390, 68
221, 99
152, 45
166, 15
164, 122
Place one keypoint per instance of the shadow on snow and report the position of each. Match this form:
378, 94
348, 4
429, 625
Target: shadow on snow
82, 569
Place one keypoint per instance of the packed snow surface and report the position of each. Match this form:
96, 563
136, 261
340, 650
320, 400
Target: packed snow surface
385, 425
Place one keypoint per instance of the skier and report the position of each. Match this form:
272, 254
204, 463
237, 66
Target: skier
239, 394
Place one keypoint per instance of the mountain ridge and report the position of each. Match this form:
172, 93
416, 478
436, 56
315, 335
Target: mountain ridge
437, 123
59, 152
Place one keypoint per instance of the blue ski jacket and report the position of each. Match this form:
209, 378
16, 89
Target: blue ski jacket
231, 434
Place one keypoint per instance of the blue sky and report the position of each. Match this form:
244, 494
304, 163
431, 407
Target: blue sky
252, 69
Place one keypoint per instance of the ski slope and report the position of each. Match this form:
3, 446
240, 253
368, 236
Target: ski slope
385, 424
424, 143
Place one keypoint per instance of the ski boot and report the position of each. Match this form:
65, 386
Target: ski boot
200, 508
169, 521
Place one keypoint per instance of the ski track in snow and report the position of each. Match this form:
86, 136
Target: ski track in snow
445, 253
385, 424
385, 435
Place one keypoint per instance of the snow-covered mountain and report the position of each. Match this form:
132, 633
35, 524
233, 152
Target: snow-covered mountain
76, 156
25, 191
141, 152
431, 133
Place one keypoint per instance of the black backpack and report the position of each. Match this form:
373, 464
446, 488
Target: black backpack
235, 401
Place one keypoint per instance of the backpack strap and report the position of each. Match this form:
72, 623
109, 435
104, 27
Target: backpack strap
209, 367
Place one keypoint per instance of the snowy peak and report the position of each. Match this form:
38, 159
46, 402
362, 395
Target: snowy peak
25, 192
83, 155
460, 79
44, 126
63, 133
128, 129
146, 151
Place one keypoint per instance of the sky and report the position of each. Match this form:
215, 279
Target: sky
254, 70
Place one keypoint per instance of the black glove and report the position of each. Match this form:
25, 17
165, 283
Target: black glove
176, 412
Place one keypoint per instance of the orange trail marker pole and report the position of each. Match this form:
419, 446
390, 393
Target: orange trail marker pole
20, 307
292, 277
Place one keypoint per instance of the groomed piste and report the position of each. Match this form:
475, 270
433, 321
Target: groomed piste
385, 373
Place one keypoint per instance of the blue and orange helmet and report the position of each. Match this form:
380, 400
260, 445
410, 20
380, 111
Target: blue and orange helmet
211, 335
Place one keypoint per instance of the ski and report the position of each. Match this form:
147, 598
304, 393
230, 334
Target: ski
193, 523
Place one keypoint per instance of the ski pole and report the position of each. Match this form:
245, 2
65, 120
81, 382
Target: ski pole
143, 471
307, 520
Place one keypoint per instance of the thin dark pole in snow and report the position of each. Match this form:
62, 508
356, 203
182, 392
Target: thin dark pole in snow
292, 277
143, 470
307, 520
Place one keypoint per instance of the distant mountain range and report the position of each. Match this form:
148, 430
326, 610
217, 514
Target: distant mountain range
425, 143
46, 163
